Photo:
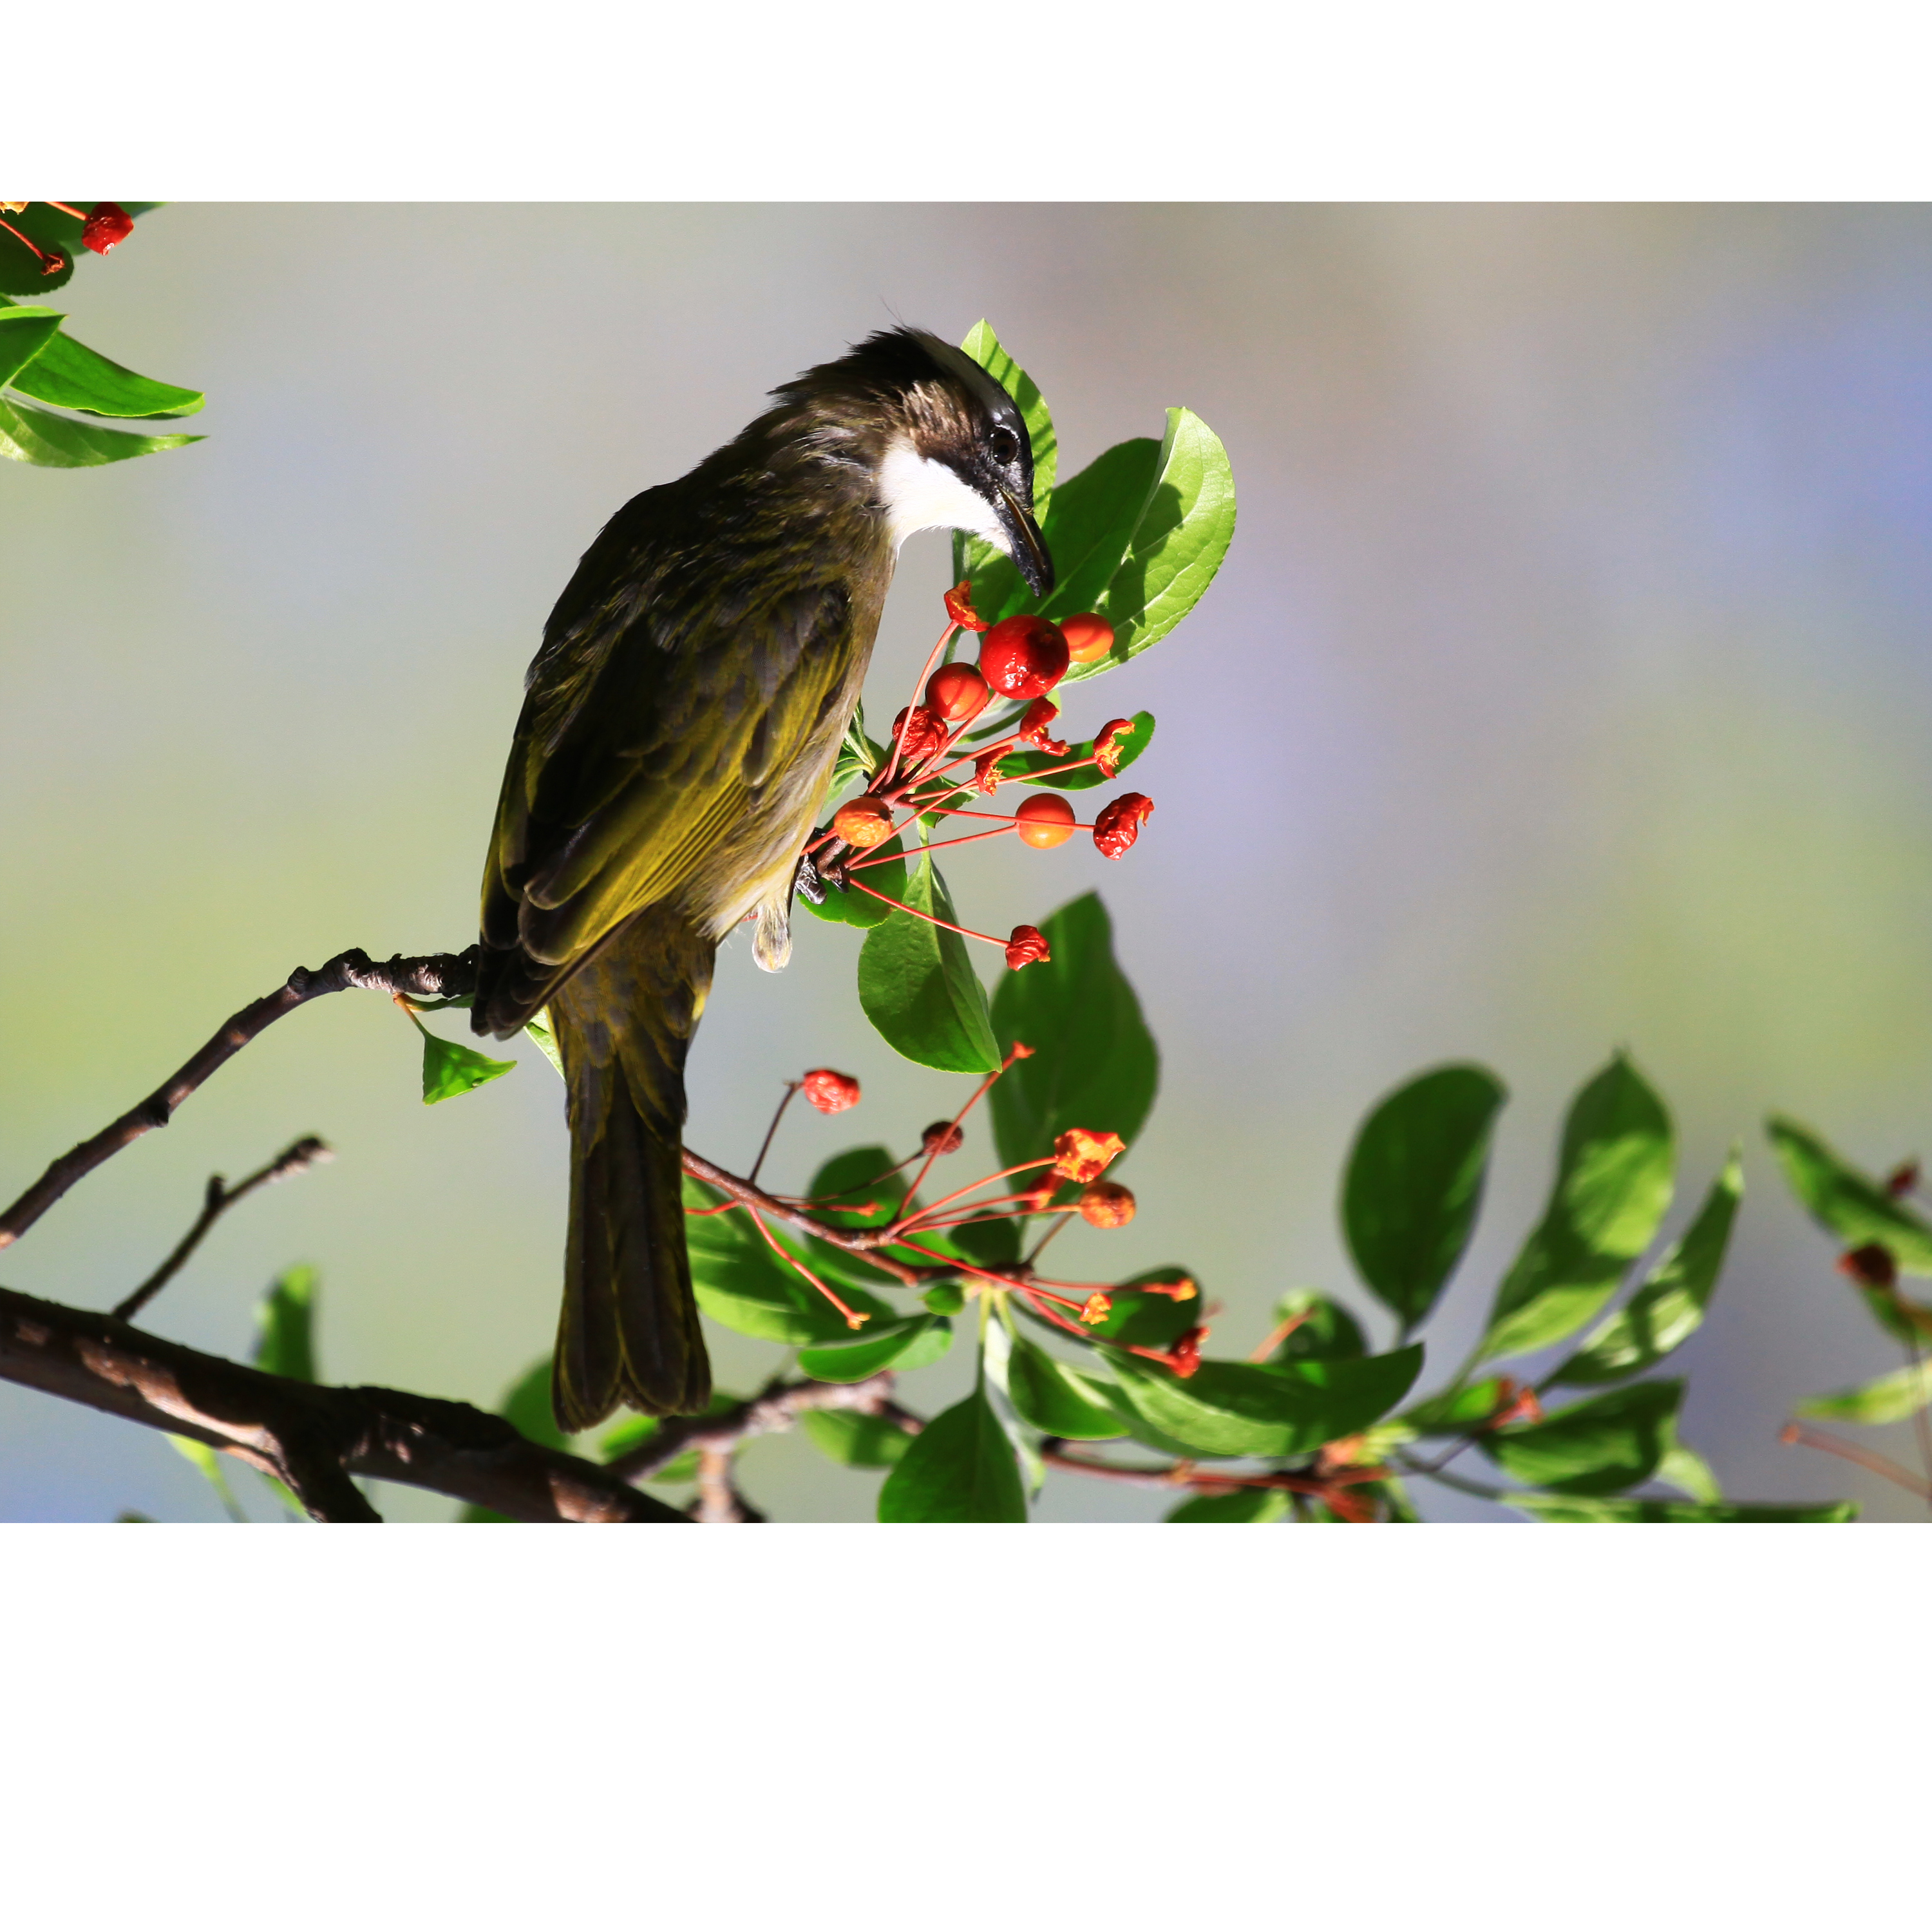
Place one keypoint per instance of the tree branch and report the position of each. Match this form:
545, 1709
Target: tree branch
312, 1437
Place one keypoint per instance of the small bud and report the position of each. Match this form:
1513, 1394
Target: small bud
51, 262
1902, 1180
1024, 657
956, 692
1118, 824
830, 1093
919, 732
1045, 820
945, 1297
1027, 948
1021, 1050
1184, 1357
1089, 636
1871, 1266
1098, 1307
109, 225
1183, 1290
1106, 1204
959, 607
1108, 746
1516, 1401
1078, 1155
863, 822
942, 1137
1039, 714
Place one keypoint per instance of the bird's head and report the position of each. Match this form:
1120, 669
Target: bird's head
943, 445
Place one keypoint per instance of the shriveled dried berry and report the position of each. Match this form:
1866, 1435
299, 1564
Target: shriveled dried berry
1027, 947
1089, 636
1098, 1308
1106, 1204
830, 1093
1045, 820
986, 772
959, 606
956, 692
1039, 714
1024, 658
1118, 824
1108, 747
942, 1137
919, 732
1078, 1155
864, 822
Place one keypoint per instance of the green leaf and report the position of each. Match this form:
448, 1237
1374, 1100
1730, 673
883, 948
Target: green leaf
945, 1297
1613, 1186
860, 1442
21, 272
285, 1326
1610, 1442
1650, 1509
28, 435
1328, 1333
740, 1283
1684, 1469
1456, 1411
1666, 1310
969, 554
526, 1406
1022, 765
918, 988
1058, 1400
449, 1070
851, 907
1414, 1183
71, 376
208, 1461
1846, 1202
538, 1028
960, 1468
1887, 1399
1094, 1064
1243, 1408
1248, 1505
1182, 534
24, 333
1147, 1321
905, 1346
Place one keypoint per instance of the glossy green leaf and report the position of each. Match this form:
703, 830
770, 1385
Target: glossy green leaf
1885, 1399
1248, 1505
972, 556
1058, 1400
24, 333
1243, 1408
1326, 1331
1650, 1509
449, 1068
29, 435
1613, 1186
918, 987
740, 1283
1610, 1442
851, 907
1094, 1063
71, 376
1182, 534
960, 1468
904, 1345
858, 1441
1684, 1469
285, 1326
1846, 1202
1668, 1308
1414, 1183
1024, 766
540, 1031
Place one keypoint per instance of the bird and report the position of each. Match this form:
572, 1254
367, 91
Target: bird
680, 721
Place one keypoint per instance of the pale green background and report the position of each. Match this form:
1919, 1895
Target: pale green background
1567, 686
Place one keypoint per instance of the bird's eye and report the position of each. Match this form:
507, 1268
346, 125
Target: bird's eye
1005, 445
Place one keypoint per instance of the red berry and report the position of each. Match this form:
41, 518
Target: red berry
957, 692
109, 224
864, 822
1184, 1357
1027, 947
1088, 635
1045, 820
1119, 823
1024, 657
830, 1093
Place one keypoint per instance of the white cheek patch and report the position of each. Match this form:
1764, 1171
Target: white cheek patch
919, 494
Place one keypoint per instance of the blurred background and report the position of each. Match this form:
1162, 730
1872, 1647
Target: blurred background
1567, 687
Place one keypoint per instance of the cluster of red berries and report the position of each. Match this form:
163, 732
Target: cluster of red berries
1021, 658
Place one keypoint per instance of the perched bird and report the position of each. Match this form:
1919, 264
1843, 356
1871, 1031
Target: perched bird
679, 729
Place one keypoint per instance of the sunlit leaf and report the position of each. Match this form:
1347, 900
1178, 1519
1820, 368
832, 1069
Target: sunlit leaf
1650, 1509
1246, 1505
1324, 1331
903, 1345
285, 1326
960, 1468
1058, 1400
539, 1029
917, 985
1890, 1398
449, 1068
858, 1440
71, 376
30, 435
1846, 1202
1610, 1442
1684, 1469
1025, 766
24, 333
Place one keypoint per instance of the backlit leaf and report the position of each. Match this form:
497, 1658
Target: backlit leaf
1325, 1331
285, 1326
30, 435
449, 1068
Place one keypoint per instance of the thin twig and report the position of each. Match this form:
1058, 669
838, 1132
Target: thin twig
306, 1153
719, 1499
1867, 1458
765, 1147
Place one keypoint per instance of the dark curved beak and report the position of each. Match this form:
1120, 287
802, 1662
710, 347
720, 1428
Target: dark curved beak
1025, 544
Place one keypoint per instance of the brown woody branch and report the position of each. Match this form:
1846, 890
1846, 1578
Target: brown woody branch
312, 1437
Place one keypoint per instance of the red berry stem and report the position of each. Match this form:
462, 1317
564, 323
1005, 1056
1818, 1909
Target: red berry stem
784, 1254
964, 931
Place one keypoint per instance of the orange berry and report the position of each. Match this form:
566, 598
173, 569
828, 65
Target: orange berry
1045, 820
1088, 636
1106, 1204
863, 822
957, 692
1079, 1155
